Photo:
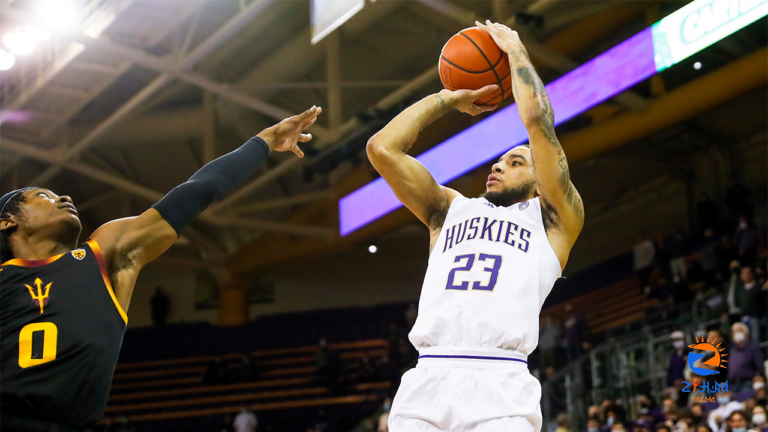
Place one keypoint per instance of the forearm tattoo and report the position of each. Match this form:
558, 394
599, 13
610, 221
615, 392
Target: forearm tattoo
527, 77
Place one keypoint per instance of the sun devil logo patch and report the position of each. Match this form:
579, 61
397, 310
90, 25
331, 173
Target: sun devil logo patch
79, 254
40, 297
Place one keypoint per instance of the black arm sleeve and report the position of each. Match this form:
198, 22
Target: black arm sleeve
217, 178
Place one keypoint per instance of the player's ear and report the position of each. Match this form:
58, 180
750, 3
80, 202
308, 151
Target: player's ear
8, 224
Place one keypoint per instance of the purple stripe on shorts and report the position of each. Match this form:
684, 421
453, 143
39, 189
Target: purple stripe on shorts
471, 357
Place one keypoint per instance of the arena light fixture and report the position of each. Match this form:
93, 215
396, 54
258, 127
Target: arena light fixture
372, 249
676, 37
7, 60
20, 42
58, 15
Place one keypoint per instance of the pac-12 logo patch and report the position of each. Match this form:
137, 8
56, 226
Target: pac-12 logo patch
79, 254
523, 205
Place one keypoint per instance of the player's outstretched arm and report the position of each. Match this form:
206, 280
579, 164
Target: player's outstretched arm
129, 244
558, 193
413, 185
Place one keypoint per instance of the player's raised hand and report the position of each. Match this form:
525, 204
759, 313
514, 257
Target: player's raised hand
506, 38
286, 135
464, 100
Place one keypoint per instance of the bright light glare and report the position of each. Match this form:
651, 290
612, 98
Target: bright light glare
372, 249
20, 43
697, 65
59, 15
36, 32
7, 59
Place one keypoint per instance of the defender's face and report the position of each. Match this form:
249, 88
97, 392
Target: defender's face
43, 209
513, 169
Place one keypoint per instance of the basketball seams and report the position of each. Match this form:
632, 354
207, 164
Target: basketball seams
493, 67
464, 70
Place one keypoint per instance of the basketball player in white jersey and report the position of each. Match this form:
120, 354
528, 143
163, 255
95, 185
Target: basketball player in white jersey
493, 261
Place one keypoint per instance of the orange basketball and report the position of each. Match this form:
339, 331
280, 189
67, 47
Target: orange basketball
472, 60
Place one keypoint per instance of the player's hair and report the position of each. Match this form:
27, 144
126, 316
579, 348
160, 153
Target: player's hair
12, 208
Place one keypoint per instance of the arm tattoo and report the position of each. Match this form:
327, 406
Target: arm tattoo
443, 105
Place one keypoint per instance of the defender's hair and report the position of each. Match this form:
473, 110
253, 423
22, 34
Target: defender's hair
12, 208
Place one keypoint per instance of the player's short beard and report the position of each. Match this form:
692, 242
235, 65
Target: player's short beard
509, 196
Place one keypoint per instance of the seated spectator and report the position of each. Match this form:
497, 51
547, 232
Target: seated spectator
563, 423
745, 239
593, 424
717, 417
753, 303
614, 415
677, 360
736, 422
642, 426
245, 421
643, 255
703, 428
645, 415
759, 420
384, 417
744, 360
618, 427
677, 243
594, 412
662, 427
697, 410
648, 402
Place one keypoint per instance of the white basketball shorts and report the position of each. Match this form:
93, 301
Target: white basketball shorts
467, 390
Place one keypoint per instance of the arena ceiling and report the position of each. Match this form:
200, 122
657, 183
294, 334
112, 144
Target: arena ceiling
145, 92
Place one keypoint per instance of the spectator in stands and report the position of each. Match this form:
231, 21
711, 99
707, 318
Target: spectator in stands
574, 333
410, 315
737, 198
717, 417
736, 422
759, 420
734, 291
697, 411
648, 403
709, 257
677, 243
745, 239
618, 427
662, 427
677, 360
550, 339
563, 423
159, 305
703, 428
642, 426
706, 212
754, 303
643, 255
760, 398
614, 415
593, 424
671, 416
384, 417
245, 421
744, 360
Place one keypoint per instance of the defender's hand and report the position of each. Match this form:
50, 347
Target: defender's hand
286, 135
507, 39
464, 100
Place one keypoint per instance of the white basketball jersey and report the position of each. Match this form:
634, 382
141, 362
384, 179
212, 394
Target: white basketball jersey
488, 275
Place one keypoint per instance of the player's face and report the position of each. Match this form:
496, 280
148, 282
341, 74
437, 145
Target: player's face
43, 211
513, 170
